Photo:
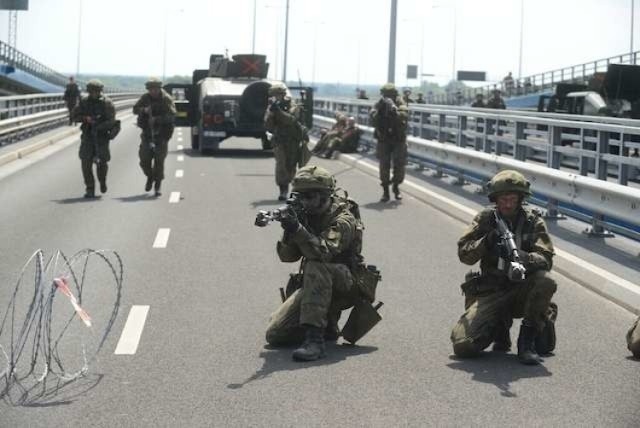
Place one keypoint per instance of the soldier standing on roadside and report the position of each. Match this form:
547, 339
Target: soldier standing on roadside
97, 114
156, 114
281, 119
389, 117
71, 97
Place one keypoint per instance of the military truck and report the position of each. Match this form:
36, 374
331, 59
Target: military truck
229, 99
614, 93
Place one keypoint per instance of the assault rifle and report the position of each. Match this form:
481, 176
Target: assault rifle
515, 270
152, 131
95, 118
264, 217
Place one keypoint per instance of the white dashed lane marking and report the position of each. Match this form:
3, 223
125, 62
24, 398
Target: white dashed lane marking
162, 237
132, 331
179, 173
180, 158
180, 139
180, 147
174, 198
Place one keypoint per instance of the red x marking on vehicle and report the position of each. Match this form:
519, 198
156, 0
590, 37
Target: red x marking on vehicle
249, 66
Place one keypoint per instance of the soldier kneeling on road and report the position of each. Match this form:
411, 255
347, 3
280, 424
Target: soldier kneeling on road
156, 114
633, 339
515, 253
97, 114
347, 142
324, 230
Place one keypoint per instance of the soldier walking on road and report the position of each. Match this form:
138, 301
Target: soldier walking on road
156, 114
281, 119
509, 285
325, 233
97, 114
71, 97
633, 339
389, 117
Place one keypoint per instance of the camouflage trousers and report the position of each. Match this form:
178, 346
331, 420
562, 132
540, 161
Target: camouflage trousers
90, 153
633, 339
152, 160
388, 154
529, 299
286, 156
326, 291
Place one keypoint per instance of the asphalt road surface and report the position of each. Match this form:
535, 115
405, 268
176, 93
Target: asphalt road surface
201, 292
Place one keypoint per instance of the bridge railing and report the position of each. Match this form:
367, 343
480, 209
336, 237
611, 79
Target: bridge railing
15, 58
475, 143
541, 81
25, 115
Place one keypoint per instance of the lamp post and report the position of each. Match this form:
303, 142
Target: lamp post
521, 37
79, 37
164, 42
455, 33
631, 61
286, 39
253, 43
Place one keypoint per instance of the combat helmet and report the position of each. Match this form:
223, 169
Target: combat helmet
313, 178
95, 84
389, 89
153, 82
277, 89
507, 181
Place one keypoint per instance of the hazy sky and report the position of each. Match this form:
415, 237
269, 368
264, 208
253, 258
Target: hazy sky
350, 38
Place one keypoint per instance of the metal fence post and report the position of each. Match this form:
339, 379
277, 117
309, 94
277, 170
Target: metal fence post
555, 139
602, 148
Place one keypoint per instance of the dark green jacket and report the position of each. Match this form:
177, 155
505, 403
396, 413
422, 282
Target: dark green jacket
104, 113
530, 235
390, 127
163, 111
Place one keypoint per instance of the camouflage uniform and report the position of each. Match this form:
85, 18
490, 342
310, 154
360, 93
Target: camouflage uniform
633, 339
154, 138
94, 141
71, 97
494, 297
390, 123
287, 132
328, 246
347, 142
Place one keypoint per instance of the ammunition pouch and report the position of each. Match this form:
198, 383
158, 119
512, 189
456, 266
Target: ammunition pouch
478, 285
366, 278
363, 317
546, 340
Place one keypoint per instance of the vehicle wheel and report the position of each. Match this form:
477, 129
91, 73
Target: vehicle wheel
266, 144
195, 142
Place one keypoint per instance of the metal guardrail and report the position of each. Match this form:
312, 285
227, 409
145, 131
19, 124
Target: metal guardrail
24, 126
21, 105
538, 82
475, 144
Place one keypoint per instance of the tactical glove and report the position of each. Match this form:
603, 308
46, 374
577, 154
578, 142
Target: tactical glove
275, 106
289, 221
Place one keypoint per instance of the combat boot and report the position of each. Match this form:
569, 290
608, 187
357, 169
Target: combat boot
148, 184
331, 333
396, 191
90, 193
284, 190
385, 194
501, 339
103, 187
526, 344
157, 188
313, 346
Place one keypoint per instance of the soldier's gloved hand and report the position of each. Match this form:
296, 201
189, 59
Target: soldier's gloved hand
289, 221
88, 119
524, 257
275, 106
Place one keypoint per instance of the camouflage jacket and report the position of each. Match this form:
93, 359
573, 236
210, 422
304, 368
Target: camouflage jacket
497, 103
330, 237
390, 126
103, 113
530, 235
284, 124
163, 111
71, 94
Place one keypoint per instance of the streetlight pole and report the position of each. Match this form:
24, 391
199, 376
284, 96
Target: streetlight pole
253, 43
391, 72
79, 37
164, 46
286, 39
521, 37
455, 32
631, 61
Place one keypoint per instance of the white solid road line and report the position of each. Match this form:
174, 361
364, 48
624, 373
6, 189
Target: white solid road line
180, 158
179, 173
130, 337
471, 212
162, 237
180, 147
174, 198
